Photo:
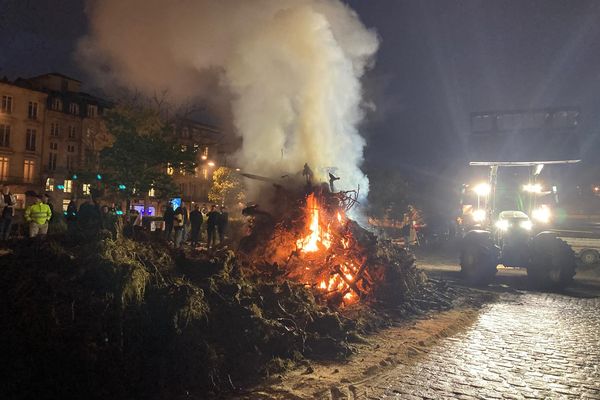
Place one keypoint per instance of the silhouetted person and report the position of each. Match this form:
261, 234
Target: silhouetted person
71, 216
186, 218
168, 217
88, 217
196, 220
222, 223
7, 212
178, 227
211, 226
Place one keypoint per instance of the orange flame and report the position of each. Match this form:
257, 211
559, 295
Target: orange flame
317, 235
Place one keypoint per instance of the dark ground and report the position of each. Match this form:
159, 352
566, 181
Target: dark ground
521, 344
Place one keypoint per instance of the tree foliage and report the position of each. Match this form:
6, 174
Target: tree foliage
143, 147
227, 187
388, 194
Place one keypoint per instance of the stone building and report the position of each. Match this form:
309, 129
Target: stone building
50, 131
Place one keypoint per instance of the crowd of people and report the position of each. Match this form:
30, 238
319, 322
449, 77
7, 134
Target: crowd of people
204, 224
182, 226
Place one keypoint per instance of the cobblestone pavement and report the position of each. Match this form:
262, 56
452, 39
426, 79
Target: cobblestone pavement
525, 346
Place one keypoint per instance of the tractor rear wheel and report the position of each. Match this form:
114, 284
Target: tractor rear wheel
552, 264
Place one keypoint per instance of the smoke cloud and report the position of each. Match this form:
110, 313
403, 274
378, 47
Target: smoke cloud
291, 69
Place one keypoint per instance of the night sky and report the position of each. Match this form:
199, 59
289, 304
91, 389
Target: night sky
438, 61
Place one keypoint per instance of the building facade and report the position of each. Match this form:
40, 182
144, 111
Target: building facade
50, 131
22, 116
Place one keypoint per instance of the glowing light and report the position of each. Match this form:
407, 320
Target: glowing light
527, 225
203, 157
348, 296
502, 224
211, 164
322, 285
479, 215
339, 217
533, 188
482, 189
542, 214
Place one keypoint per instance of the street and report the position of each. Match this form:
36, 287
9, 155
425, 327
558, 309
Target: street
525, 345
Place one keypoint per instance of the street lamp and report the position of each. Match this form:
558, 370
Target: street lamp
211, 164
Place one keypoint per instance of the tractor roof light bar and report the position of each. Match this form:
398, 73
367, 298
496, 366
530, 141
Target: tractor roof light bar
520, 163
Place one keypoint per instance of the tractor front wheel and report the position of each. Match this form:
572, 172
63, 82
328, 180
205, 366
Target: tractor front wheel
478, 264
552, 264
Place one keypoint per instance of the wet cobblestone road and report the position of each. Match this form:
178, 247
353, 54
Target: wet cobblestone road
525, 346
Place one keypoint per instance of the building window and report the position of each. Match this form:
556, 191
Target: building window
68, 186
92, 110
6, 106
72, 132
66, 203
74, 108
4, 135
28, 171
57, 104
70, 163
71, 148
30, 140
52, 161
53, 146
151, 192
54, 129
185, 132
3, 168
86, 189
50, 185
169, 169
32, 111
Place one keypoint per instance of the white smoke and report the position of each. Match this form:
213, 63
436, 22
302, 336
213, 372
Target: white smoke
292, 68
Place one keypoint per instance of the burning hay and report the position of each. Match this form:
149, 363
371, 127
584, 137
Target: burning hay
314, 243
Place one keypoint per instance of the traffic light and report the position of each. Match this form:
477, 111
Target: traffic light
74, 177
60, 187
99, 177
122, 187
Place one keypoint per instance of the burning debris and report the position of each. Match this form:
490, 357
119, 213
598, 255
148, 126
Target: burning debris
312, 241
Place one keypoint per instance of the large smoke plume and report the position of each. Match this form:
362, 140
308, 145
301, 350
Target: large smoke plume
291, 69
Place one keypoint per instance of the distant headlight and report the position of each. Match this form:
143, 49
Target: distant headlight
542, 214
527, 225
479, 215
502, 224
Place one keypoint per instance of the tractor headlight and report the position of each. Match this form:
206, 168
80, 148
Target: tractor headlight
527, 225
502, 224
479, 215
541, 214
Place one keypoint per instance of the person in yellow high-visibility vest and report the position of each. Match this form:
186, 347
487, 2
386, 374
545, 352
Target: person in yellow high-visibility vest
38, 215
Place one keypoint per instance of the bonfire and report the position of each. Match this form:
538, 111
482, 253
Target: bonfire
313, 241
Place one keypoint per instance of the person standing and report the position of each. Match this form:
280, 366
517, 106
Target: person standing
211, 224
168, 217
178, 227
196, 220
186, 219
38, 215
7, 209
222, 223
71, 216
48, 201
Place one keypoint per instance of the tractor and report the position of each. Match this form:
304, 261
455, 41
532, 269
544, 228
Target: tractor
515, 232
